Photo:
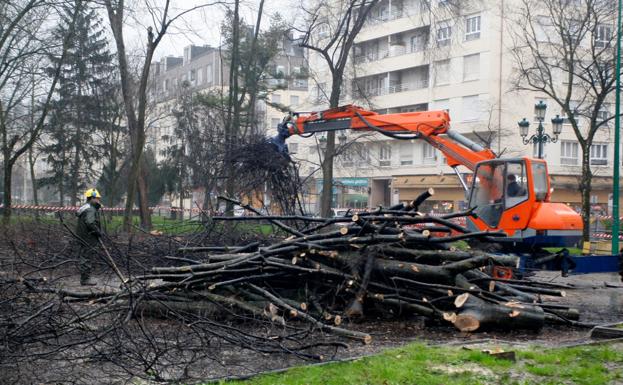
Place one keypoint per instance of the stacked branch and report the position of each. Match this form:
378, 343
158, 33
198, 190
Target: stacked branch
329, 271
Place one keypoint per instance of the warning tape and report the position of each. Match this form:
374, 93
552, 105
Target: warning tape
605, 217
604, 236
75, 208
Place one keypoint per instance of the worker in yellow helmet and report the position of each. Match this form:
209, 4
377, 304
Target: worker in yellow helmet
89, 231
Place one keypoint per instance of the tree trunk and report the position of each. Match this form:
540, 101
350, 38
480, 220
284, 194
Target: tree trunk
143, 203
6, 200
585, 191
75, 171
133, 176
33, 179
233, 118
326, 199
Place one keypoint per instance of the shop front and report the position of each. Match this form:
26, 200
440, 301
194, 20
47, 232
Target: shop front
348, 192
449, 195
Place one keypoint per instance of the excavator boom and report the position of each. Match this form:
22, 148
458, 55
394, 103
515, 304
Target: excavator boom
426, 125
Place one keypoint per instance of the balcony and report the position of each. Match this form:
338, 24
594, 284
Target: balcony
393, 89
394, 15
395, 51
396, 22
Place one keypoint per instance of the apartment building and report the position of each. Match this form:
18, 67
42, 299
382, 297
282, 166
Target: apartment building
204, 69
415, 55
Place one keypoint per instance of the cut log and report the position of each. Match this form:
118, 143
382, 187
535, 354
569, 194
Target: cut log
475, 314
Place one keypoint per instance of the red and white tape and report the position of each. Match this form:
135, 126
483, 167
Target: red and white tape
605, 236
75, 208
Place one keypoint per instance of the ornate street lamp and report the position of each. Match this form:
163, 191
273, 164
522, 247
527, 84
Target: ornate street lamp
541, 137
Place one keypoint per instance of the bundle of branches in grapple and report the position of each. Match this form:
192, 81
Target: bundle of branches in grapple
393, 262
259, 167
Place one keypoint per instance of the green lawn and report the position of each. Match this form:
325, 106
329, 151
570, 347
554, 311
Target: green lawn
424, 365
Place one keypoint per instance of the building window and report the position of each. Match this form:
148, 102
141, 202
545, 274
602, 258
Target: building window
599, 154
471, 67
442, 72
280, 71
575, 31
406, 154
603, 113
385, 155
347, 157
573, 106
321, 93
471, 108
323, 30
472, 27
418, 42
294, 100
444, 33
300, 83
442, 104
363, 153
276, 98
428, 154
568, 152
193, 76
603, 36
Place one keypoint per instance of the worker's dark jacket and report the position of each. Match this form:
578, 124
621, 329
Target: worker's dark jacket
89, 228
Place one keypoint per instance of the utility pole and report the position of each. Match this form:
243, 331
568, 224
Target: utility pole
617, 142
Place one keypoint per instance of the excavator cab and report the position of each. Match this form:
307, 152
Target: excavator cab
513, 195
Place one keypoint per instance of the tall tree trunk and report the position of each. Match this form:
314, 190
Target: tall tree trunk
75, 171
31, 159
585, 191
61, 184
143, 202
33, 179
326, 198
6, 200
233, 111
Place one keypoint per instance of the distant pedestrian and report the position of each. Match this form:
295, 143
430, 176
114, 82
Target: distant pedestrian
89, 231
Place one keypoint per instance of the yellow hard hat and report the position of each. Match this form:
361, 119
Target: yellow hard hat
92, 193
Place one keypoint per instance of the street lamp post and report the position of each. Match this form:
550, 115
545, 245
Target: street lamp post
541, 137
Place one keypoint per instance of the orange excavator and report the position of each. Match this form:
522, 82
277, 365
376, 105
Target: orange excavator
508, 194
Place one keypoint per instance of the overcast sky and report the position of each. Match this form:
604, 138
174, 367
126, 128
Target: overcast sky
198, 27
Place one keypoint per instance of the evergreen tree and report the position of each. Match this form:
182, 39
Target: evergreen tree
86, 88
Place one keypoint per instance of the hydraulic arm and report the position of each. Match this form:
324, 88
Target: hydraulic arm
426, 125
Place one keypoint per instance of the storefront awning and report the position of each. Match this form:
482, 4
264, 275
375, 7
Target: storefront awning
573, 182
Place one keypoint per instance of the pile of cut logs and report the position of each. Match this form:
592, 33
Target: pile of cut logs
393, 261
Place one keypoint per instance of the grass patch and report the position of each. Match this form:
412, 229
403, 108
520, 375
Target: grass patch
572, 250
424, 365
166, 225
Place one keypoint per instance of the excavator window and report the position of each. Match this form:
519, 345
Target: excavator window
488, 192
539, 175
516, 183
498, 185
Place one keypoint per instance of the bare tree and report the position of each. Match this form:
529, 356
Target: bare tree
135, 96
25, 48
564, 50
343, 20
